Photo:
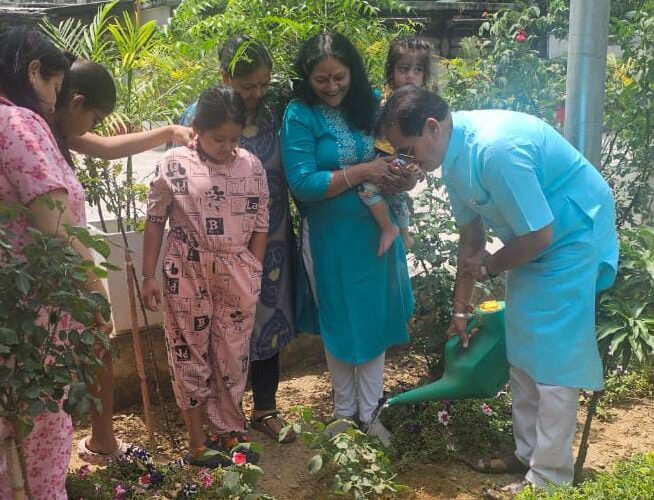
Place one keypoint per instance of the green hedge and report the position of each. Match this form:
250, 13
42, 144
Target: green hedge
631, 479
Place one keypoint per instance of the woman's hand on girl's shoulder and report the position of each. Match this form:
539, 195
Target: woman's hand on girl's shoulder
183, 136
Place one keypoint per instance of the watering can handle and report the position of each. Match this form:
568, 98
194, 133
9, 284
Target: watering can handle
453, 344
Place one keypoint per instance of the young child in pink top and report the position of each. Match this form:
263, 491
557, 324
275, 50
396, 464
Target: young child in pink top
216, 199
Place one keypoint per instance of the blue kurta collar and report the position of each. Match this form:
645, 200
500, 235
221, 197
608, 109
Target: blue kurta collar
455, 145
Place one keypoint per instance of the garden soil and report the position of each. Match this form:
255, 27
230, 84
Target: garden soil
629, 429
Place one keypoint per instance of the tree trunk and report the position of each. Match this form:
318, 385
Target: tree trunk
138, 351
16, 468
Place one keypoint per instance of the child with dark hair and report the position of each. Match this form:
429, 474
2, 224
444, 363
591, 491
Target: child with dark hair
246, 67
87, 96
216, 198
408, 63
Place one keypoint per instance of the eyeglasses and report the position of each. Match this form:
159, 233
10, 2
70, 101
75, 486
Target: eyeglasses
97, 119
407, 153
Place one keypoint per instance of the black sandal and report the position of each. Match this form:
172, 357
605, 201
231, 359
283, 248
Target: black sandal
263, 424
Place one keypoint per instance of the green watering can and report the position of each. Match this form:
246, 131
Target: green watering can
479, 371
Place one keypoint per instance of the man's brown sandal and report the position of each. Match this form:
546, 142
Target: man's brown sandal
269, 423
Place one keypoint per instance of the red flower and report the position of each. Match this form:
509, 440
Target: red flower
144, 480
521, 36
84, 471
560, 114
239, 458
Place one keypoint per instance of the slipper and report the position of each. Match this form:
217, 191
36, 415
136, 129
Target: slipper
507, 492
339, 425
263, 424
95, 457
506, 464
232, 443
207, 456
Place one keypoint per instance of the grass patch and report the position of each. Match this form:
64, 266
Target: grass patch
631, 479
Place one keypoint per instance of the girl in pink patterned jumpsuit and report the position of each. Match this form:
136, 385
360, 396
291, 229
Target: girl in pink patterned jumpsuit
216, 198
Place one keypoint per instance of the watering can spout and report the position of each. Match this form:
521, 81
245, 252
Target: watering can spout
479, 371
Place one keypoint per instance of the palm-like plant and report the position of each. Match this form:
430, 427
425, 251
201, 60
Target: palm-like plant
126, 48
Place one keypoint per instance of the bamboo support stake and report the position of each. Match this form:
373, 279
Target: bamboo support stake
138, 351
16, 476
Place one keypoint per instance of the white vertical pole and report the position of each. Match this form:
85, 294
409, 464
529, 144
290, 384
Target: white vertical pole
587, 45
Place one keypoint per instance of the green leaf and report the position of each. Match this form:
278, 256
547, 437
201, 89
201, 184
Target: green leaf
36, 408
315, 464
23, 283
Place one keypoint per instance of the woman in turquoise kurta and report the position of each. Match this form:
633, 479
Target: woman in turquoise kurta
555, 214
363, 301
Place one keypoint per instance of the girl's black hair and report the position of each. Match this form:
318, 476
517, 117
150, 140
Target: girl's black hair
359, 105
242, 55
92, 81
218, 105
402, 46
18, 48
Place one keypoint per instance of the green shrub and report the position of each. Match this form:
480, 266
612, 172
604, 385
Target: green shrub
631, 479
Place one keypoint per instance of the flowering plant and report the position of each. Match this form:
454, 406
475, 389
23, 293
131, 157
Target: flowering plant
136, 476
445, 429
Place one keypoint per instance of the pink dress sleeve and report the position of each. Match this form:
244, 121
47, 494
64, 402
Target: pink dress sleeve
160, 197
261, 222
32, 161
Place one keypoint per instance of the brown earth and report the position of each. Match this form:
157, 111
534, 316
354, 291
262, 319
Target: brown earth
628, 430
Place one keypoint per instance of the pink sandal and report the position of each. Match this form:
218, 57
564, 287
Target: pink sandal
96, 458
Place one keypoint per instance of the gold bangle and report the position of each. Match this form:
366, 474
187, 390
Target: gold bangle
347, 181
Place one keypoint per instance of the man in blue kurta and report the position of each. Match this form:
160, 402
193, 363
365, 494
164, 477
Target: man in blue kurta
555, 214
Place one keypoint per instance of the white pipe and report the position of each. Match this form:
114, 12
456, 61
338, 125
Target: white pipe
587, 45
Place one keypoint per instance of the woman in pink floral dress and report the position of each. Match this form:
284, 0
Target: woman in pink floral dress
31, 167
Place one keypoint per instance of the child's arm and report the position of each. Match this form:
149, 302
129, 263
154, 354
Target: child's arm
119, 146
152, 238
258, 244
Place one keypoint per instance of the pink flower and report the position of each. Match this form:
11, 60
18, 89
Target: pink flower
144, 480
486, 410
84, 471
484, 14
206, 478
521, 36
239, 458
444, 417
119, 492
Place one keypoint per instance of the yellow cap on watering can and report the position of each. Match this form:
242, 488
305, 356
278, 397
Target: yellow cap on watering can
479, 371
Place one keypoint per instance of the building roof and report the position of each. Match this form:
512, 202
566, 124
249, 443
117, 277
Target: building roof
19, 12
